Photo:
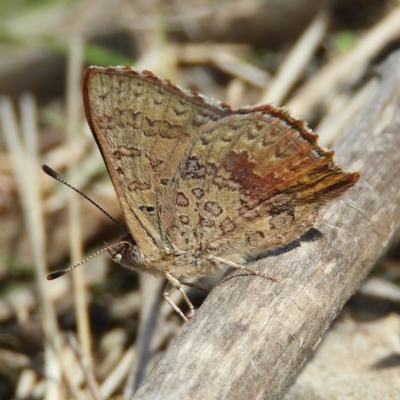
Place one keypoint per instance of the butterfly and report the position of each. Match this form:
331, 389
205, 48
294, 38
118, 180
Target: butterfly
203, 187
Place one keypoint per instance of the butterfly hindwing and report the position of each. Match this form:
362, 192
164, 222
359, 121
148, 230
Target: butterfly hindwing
250, 182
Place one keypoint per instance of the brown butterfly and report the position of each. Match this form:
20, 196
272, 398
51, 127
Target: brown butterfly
203, 187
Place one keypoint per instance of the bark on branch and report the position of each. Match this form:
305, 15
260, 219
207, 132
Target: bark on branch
251, 336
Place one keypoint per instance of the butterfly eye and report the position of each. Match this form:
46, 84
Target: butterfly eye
134, 256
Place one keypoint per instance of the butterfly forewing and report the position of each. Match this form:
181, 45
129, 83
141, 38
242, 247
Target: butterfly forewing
142, 126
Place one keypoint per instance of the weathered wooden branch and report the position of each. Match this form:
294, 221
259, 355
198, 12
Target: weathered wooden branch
251, 336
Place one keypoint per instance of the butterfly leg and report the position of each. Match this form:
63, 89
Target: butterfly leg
173, 282
218, 261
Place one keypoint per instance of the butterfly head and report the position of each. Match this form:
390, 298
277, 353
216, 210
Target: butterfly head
128, 254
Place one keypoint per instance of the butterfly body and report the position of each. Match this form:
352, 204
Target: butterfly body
187, 266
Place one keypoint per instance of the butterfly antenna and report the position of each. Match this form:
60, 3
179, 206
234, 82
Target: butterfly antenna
57, 274
57, 177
